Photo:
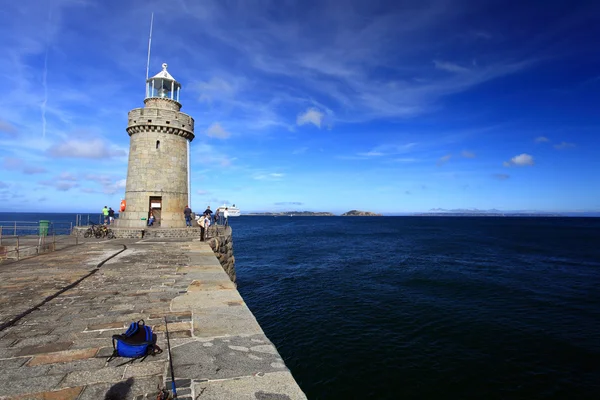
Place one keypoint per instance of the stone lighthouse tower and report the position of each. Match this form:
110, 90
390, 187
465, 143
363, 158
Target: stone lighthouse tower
157, 173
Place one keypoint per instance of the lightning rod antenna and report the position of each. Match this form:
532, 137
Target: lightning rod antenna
149, 44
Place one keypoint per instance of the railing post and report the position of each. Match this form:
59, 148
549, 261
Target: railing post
71, 231
18, 248
0, 235
53, 241
15, 228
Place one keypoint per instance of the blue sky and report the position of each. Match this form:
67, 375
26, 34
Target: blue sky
393, 107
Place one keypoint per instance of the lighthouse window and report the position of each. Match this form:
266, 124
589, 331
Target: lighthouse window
168, 122
157, 144
149, 120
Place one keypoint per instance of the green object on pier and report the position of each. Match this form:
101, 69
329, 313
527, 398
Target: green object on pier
44, 224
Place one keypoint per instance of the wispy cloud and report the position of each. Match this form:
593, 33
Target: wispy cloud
300, 150
467, 154
541, 139
450, 67
273, 176
443, 160
62, 186
391, 149
18, 164
521, 160
288, 203
501, 177
67, 176
371, 153
311, 116
217, 131
7, 128
75, 148
564, 145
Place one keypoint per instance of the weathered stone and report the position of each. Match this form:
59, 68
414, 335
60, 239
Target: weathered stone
62, 356
109, 374
46, 348
30, 385
64, 394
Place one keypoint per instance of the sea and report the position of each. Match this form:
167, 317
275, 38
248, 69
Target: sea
426, 307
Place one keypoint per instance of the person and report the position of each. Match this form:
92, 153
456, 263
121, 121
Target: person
105, 214
151, 219
217, 217
187, 211
208, 212
226, 216
201, 223
111, 216
206, 224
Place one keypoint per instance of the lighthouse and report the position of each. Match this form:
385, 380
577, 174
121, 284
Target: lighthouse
157, 172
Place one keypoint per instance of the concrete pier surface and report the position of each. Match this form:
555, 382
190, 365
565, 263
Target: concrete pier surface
59, 310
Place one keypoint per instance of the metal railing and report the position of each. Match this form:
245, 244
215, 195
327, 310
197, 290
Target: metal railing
20, 239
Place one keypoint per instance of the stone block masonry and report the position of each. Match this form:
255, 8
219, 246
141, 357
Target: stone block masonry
59, 350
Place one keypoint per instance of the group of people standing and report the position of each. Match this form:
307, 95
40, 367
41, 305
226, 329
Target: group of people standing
206, 220
108, 215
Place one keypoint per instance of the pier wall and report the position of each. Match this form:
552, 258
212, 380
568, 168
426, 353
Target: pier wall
55, 335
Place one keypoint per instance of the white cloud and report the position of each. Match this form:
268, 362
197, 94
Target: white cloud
311, 116
467, 154
521, 160
541, 139
564, 145
443, 160
94, 149
217, 131
450, 67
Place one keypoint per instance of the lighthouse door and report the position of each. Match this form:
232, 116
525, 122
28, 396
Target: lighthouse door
155, 207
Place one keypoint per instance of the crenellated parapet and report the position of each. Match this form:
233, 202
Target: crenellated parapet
160, 120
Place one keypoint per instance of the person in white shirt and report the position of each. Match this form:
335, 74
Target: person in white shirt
206, 224
226, 216
201, 222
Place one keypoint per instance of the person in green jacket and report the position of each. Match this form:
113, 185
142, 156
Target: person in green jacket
105, 214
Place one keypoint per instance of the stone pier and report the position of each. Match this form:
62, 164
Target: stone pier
62, 308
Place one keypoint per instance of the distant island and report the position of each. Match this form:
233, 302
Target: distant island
357, 213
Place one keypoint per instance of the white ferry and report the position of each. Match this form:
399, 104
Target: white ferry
232, 210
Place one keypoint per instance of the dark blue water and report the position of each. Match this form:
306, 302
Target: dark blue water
426, 307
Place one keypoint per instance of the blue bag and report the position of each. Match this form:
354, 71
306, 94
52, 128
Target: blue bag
137, 342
